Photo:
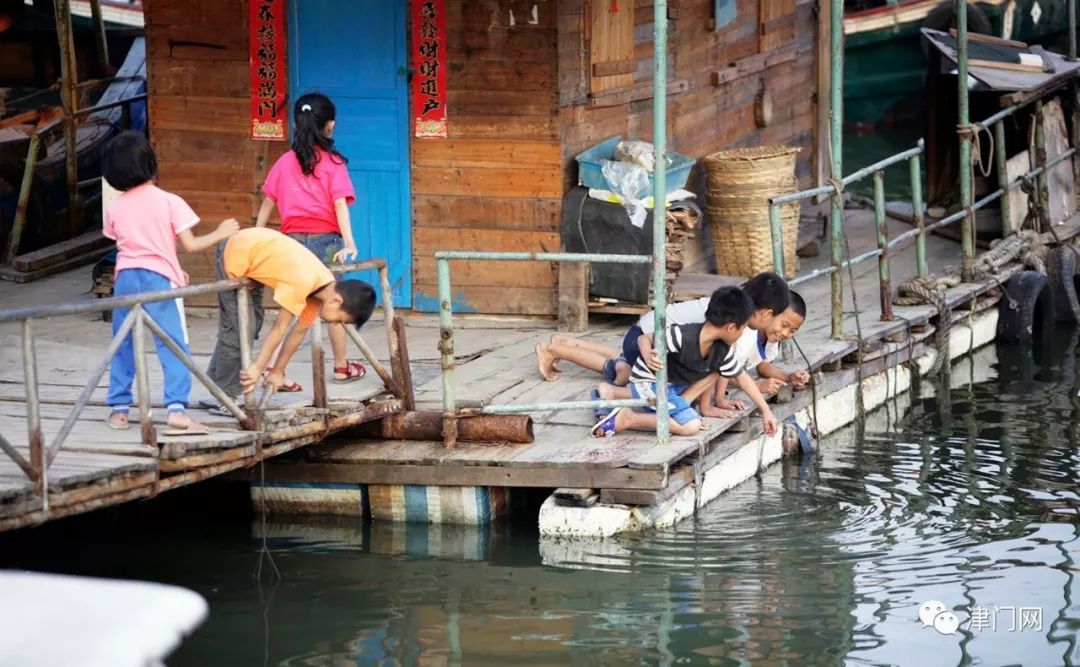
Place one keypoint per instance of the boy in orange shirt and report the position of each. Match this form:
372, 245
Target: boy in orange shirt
303, 287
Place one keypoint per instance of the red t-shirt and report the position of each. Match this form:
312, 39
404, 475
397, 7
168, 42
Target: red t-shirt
306, 203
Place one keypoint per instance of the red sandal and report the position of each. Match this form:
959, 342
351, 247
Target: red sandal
287, 387
351, 371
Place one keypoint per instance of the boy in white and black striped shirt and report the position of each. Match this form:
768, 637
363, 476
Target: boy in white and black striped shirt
698, 354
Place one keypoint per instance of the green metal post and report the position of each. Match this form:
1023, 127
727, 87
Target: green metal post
446, 344
1072, 29
964, 121
918, 215
1001, 165
836, 162
884, 281
1042, 194
660, 47
777, 229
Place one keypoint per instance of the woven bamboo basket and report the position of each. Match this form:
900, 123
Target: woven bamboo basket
740, 183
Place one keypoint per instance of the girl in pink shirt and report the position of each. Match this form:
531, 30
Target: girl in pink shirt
146, 221
311, 188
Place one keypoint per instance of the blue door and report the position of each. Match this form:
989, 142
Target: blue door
354, 52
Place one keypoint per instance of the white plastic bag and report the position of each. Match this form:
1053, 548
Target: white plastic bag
631, 183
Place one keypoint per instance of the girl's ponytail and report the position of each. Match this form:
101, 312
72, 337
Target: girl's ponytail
311, 113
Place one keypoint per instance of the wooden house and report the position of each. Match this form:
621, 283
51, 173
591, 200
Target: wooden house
530, 84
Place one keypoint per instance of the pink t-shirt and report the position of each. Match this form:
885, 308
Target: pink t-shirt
306, 203
144, 222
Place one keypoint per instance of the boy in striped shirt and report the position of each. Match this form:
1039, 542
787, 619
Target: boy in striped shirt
698, 354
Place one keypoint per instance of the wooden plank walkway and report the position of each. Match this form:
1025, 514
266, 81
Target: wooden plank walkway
630, 467
99, 467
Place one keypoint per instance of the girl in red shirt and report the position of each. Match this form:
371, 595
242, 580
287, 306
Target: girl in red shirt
311, 188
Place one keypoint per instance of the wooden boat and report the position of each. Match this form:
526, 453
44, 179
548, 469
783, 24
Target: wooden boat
884, 63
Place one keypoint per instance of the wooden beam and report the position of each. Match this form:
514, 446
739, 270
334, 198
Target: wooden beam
990, 39
573, 296
1012, 67
754, 64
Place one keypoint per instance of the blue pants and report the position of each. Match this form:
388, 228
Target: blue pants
630, 350
169, 315
679, 408
325, 246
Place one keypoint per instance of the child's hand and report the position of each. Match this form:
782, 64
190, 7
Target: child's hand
227, 228
768, 420
770, 385
249, 377
346, 253
799, 379
274, 379
653, 360
725, 404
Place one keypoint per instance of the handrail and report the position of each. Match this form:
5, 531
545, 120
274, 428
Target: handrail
42, 455
451, 411
885, 245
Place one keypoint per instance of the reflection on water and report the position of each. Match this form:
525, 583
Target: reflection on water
965, 493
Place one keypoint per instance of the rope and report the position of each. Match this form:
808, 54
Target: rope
814, 431
858, 331
976, 149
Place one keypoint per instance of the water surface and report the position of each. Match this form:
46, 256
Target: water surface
966, 493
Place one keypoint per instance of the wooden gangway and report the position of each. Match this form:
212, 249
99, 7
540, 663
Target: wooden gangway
60, 458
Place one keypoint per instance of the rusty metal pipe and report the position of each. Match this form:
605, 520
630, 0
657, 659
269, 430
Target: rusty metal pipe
428, 425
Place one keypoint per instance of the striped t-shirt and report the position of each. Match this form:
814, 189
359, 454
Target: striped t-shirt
684, 361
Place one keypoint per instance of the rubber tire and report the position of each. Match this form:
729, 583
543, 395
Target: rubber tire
943, 17
1061, 272
1026, 309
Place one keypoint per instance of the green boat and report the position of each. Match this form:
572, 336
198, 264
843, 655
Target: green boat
884, 62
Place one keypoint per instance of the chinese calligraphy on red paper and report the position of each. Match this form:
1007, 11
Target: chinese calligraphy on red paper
429, 62
268, 79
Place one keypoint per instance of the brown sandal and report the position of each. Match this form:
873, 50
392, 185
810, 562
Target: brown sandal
287, 387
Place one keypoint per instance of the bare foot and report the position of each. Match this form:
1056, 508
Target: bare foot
118, 421
559, 339
545, 363
182, 422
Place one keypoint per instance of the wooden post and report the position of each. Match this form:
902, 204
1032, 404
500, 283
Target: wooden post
243, 311
99, 38
401, 366
573, 296
70, 95
36, 439
24, 199
318, 365
142, 379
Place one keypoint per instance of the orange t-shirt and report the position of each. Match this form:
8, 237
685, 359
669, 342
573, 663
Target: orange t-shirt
269, 257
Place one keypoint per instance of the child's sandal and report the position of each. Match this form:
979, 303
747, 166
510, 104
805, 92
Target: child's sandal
350, 372
287, 387
598, 413
118, 421
605, 428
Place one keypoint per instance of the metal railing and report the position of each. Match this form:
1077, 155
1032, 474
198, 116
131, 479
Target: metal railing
451, 411
885, 246
136, 323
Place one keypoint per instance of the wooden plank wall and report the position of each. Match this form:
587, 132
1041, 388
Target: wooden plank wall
702, 117
496, 182
199, 111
